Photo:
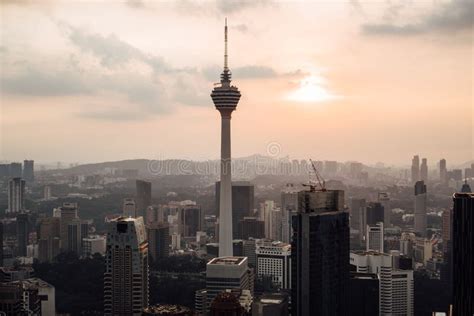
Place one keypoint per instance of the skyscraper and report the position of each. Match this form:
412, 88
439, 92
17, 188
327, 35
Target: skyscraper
274, 260
77, 230
289, 207
16, 193
420, 208
384, 199
22, 231
374, 239
251, 227
396, 286
415, 169
375, 213
189, 218
443, 171
364, 293
158, 240
463, 253
320, 254
224, 273
143, 198
126, 267
28, 170
358, 211
48, 238
68, 212
16, 170
225, 98
424, 170
1, 244
129, 208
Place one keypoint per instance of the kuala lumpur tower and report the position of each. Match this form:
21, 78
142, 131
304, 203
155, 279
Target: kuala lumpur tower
225, 98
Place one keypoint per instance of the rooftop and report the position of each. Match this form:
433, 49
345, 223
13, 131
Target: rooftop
227, 261
369, 253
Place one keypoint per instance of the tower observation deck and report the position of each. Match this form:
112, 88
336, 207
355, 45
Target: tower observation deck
225, 98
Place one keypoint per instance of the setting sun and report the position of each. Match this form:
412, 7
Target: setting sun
311, 89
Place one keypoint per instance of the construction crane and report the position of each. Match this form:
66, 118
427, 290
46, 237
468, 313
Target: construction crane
319, 178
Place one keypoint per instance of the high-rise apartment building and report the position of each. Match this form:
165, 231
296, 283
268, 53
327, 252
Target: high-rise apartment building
320, 254
143, 197
420, 208
396, 286
375, 238
28, 170
274, 260
415, 169
126, 267
242, 203
463, 253
16, 195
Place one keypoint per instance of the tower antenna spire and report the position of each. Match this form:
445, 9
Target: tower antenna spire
226, 66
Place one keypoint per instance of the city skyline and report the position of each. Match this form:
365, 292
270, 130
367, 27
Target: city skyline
106, 85
343, 185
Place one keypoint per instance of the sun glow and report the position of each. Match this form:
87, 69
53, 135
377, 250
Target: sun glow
311, 89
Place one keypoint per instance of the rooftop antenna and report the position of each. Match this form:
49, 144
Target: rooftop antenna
226, 75
226, 66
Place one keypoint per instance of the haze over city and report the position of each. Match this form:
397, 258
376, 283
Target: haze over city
236, 158
364, 81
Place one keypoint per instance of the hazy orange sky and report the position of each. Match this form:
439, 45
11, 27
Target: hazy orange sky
90, 81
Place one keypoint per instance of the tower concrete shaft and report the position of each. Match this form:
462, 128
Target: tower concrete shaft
225, 98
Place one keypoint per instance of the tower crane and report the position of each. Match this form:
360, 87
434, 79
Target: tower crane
320, 180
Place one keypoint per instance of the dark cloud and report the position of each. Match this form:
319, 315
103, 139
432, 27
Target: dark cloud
187, 93
15, 2
32, 81
112, 51
114, 114
141, 92
456, 15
